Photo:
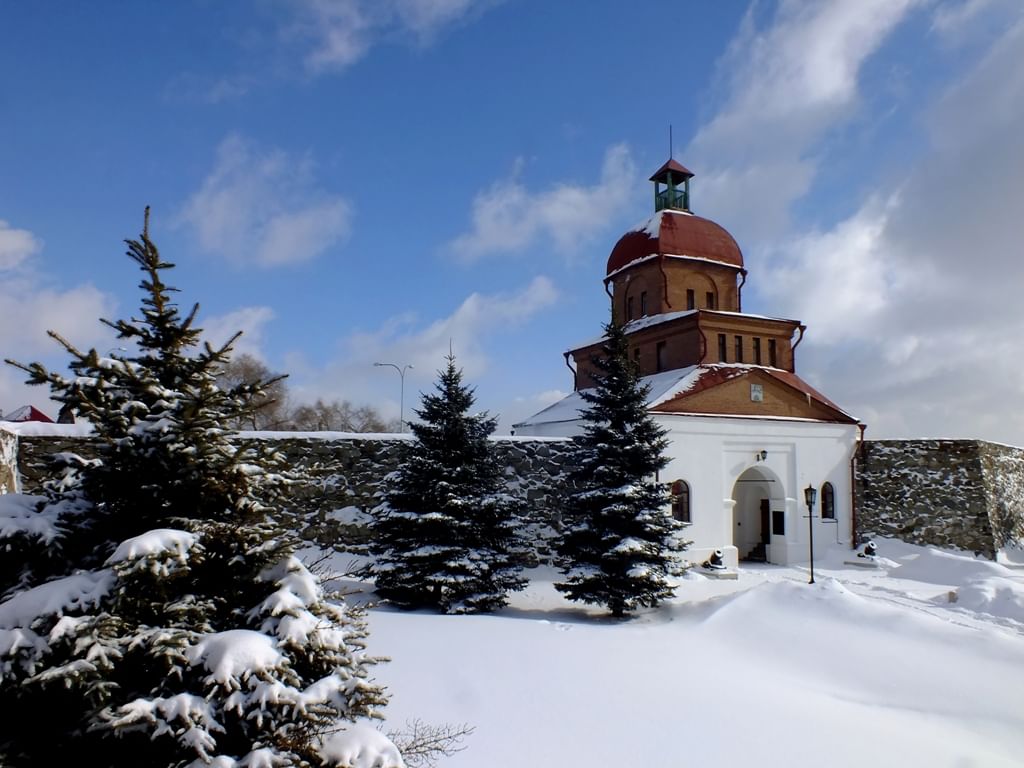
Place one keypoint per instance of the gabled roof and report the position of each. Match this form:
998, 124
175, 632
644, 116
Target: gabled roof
27, 413
677, 385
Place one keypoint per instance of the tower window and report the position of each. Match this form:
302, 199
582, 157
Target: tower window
709, 299
828, 502
629, 308
738, 341
773, 353
757, 351
643, 303
723, 345
660, 354
691, 299
681, 501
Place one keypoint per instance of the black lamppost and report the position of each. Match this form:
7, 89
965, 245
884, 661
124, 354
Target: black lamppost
810, 494
401, 401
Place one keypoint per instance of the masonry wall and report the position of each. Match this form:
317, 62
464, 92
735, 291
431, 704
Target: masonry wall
343, 475
951, 493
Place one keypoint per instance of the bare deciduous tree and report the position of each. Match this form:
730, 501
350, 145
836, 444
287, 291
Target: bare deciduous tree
276, 411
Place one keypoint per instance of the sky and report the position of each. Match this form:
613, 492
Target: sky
361, 181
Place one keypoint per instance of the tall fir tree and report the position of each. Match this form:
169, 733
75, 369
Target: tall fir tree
170, 623
618, 546
446, 536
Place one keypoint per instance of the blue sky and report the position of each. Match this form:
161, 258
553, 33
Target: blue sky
352, 181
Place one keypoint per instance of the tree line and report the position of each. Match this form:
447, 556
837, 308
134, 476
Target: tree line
275, 408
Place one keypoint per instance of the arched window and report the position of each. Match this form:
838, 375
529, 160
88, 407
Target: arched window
828, 502
681, 501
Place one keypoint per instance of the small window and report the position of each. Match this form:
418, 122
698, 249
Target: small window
723, 346
778, 522
739, 348
828, 502
660, 353
757, 351
756, 393
709, 300
629, 308
636, 356
691, 299
643, 303
773, 359
681, 501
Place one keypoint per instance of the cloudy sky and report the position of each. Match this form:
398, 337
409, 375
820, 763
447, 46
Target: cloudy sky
360, 181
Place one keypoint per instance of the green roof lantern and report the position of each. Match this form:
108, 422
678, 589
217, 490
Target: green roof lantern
672, 187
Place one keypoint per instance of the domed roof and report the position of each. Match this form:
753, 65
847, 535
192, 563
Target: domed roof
676, 233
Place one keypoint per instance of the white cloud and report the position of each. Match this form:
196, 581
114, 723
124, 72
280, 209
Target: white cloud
340, 32
956, 22
16, 246
839, 281
786, 86
508, 217
30, 306
263, 208
249, 320
913, 306
404, 340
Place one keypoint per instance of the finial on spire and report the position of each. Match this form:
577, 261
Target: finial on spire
671, 154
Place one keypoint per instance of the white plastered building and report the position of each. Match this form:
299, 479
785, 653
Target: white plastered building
747, 436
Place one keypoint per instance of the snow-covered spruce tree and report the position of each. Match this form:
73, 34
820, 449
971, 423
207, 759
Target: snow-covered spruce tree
618, 546
172, 626
446, 536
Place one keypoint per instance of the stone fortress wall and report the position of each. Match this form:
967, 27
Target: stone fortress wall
967, 494
343, 474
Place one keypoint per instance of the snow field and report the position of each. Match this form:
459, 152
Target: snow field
864, 667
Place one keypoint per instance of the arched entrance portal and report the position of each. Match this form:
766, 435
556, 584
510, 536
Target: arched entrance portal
758, 513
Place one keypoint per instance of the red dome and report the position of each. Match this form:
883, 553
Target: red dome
676, 233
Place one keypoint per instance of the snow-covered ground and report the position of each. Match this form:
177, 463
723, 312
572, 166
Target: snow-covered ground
864, 668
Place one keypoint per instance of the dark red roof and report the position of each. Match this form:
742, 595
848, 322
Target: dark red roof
679, 234
671, 165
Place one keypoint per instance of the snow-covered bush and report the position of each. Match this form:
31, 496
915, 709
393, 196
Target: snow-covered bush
446, 536
618, 545
154, 613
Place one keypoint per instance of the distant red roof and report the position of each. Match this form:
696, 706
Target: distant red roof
680, 234
27, 413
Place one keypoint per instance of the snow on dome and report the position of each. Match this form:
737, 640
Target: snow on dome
360, 746
677, 233
159, 541
234, 655
55, 597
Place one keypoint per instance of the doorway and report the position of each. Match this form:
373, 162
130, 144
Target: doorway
758, 513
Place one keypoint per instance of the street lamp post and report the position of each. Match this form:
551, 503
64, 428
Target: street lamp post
401, 400
810, 494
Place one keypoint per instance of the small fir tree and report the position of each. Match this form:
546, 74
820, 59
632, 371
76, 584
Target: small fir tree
618, 546
171, 625
446, 536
